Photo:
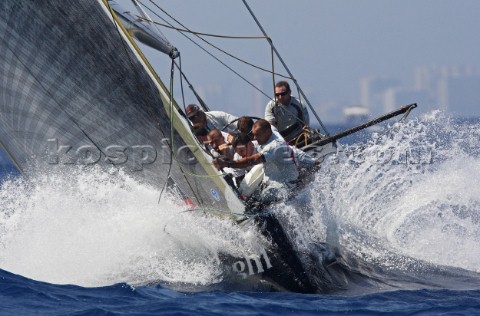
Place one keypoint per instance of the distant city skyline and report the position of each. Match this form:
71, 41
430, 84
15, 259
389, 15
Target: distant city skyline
330, 46
454, 89
448, 88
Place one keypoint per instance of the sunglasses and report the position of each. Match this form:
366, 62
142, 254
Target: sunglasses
284, 93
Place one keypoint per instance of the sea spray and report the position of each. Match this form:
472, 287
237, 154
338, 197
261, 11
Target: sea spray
411, 191
406, 197
91, 227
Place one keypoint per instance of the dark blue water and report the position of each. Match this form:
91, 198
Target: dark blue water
21, 296
453, 244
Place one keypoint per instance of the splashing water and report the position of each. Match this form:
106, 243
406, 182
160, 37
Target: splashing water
411, 191
95, 228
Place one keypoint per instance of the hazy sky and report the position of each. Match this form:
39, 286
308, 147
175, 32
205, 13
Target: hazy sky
328, 45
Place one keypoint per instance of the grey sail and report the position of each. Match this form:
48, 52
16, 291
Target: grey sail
73, 90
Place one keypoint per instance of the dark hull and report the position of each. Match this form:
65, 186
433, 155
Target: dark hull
318, 269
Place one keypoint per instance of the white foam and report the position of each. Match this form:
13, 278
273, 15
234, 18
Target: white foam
94, 228
422, 203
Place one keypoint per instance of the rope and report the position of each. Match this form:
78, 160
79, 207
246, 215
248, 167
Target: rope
404, 116
200, 33
304, 133
145, 100
199, 200
273, 70
171, 145
179, 67
171, 132
183, 76
219, 49
286, 68
272, 47
205, 210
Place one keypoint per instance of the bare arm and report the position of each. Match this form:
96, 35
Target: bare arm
226, 150
240, 163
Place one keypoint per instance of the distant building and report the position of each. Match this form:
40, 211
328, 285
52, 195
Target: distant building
396, 97
452, 88
355, 114
461, 95
259, 100
372, 91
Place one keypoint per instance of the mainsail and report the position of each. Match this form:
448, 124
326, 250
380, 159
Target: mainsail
74, 89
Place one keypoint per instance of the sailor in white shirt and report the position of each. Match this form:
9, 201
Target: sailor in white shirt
287, 113
277, 157
303, 160
218, 142
209, 120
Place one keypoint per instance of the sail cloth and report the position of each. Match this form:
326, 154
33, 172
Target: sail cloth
73, 91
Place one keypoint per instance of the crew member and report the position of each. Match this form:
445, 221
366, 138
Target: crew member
242, 147
287, 113
208, 120
280, 170
218, 142
305, 162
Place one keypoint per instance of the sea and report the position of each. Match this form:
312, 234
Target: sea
401, 197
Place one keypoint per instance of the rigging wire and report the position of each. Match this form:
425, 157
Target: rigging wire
200, 33
198, 198
213, 56
171, 107
171, 145
207, 42
179, 67
171, 132
286, 68
272, 47
183, 76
